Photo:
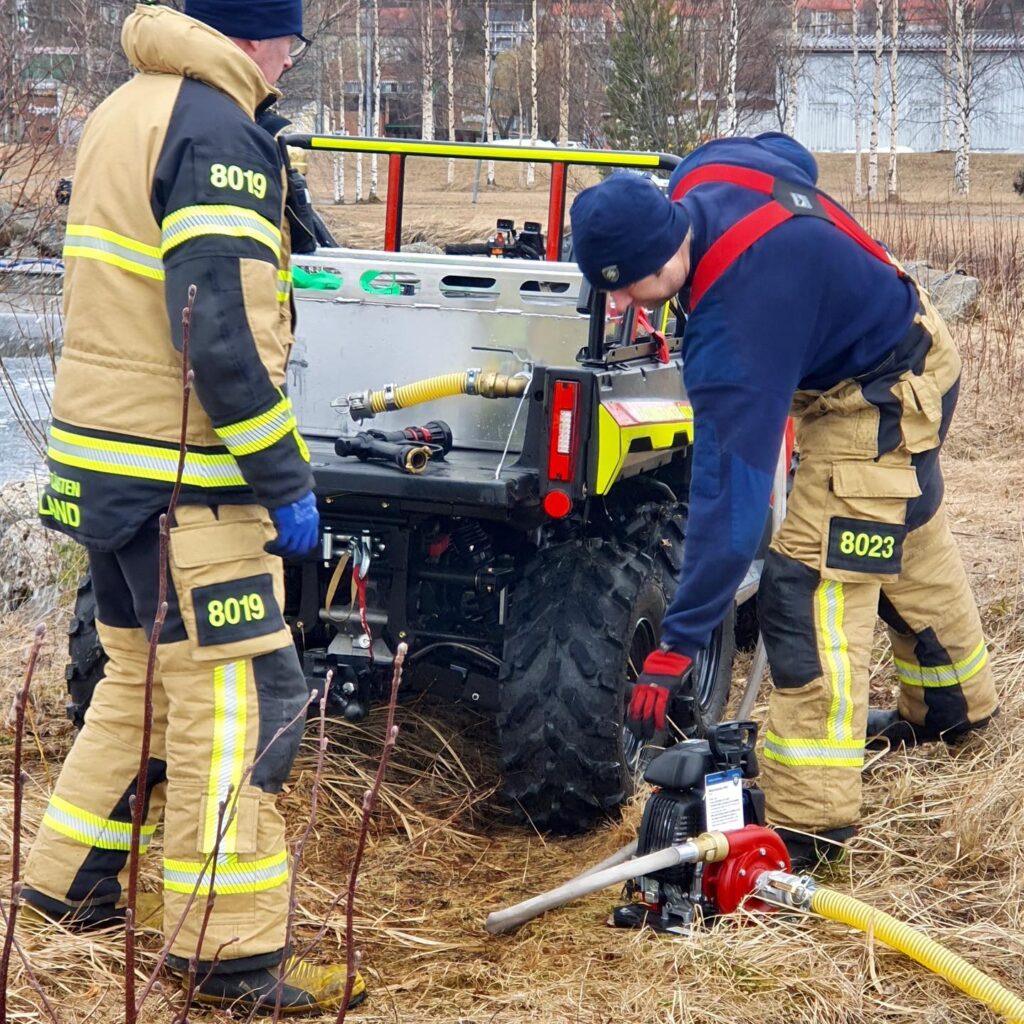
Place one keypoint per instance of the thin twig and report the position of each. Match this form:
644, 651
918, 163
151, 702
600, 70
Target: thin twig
19, 793
29, 973
211, 898
369, 802
300, 846
139, 800
169, 940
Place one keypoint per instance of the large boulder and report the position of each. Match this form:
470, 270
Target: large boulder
956, 295
29, 556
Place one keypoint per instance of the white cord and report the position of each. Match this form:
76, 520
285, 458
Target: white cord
515, 420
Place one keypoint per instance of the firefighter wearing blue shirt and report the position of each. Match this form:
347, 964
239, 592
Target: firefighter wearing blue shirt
795, 310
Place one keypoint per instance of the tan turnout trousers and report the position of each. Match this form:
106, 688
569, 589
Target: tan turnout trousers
866, 534
228, 678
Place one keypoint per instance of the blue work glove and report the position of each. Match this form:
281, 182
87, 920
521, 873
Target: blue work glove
298, 528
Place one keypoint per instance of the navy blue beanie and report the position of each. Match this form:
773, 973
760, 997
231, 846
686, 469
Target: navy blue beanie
625, 229
249, 19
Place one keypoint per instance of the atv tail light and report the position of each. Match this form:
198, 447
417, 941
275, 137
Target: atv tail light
557, 504
564, 443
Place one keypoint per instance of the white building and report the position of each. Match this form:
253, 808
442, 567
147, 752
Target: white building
825, 115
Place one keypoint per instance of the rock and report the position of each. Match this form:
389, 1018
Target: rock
956, 295
29, 558
422, 247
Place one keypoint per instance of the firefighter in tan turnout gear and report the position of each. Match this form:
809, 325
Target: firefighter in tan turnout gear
793, 308
177, 186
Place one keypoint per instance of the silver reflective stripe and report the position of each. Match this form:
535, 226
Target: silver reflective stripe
260, 432
231, 876
92, 830
146, 462
820, 753
943, 675
234, 221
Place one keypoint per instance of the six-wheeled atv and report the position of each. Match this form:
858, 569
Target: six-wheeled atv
528, 567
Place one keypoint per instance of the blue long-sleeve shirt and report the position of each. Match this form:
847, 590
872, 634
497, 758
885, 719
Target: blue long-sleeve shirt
804, 308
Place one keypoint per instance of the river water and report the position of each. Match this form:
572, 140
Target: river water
25, 386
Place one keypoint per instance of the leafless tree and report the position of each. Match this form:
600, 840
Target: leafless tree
894, 93
858, 171
876, 98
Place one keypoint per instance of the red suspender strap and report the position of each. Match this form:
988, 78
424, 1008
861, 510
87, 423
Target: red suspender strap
725, 174
850, 227
730, 246
745, 232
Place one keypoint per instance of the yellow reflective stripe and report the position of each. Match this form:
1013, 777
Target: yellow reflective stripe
234, 221
284, 278
814, 753
259, 432
92, 830
122, 241
225, 778
831, 605
92, 243
232, 876
934, 676
142, 461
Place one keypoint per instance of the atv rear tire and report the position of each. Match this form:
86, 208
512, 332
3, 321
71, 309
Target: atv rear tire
581, 621
86, 659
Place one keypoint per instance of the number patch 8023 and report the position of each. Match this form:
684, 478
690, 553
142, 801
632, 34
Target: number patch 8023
863, 546
236, 610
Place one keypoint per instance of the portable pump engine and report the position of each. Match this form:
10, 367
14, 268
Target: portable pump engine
671, 899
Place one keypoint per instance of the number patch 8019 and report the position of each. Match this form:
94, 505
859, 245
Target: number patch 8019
239, 179
237, 610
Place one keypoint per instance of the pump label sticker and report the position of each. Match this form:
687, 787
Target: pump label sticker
723, 800
640, 411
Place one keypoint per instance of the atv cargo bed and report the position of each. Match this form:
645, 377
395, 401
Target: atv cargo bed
464, 481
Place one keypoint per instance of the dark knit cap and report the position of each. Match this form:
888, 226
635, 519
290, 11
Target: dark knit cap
625, 229
249, 19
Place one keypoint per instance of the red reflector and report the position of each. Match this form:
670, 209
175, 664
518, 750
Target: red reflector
564, 440
557, 504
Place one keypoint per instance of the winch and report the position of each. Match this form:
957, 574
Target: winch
701, 785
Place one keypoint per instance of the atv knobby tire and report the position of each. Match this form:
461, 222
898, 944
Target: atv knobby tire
86, 659
571, 620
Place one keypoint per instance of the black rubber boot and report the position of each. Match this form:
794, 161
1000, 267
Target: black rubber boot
809, 850
306, 988
887, 729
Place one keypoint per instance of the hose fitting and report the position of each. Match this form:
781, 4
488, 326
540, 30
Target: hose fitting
364, 405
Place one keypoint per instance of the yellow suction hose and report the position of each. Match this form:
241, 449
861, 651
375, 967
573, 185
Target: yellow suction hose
489, 384
837, 906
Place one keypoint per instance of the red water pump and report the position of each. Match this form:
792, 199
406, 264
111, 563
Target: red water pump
688, 778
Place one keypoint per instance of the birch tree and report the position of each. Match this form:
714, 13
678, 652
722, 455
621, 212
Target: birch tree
858, 170
375, 43
732, 66
534, 96
427, 76
339, 125
361, 110
488, 80
894, 109
962, 46
876, 99
792, 66
565, 38
449, 44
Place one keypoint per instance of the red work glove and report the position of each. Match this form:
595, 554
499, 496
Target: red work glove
662, 675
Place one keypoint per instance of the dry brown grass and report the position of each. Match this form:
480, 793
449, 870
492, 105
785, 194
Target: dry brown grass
942, 843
